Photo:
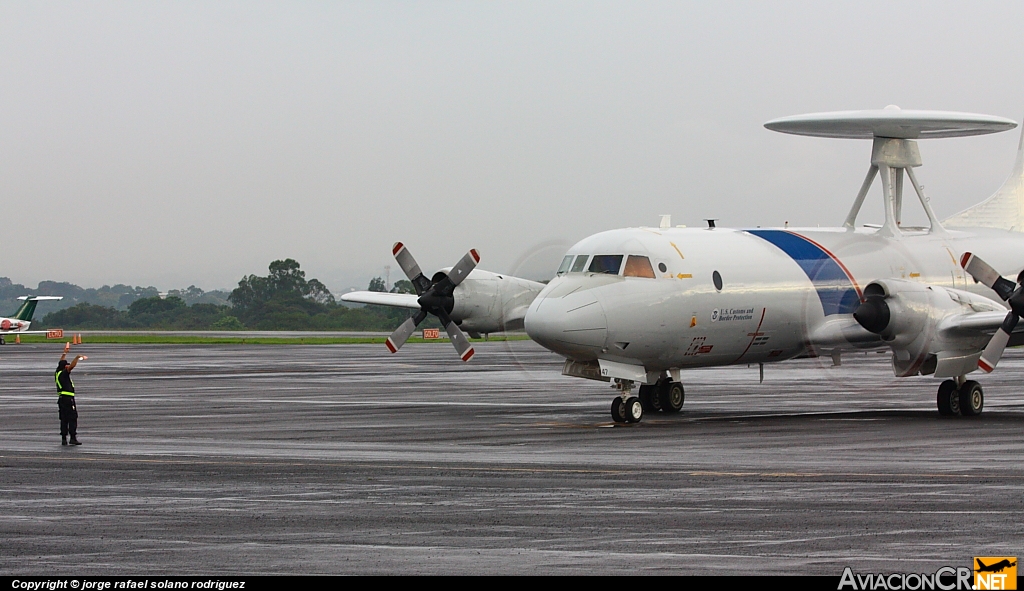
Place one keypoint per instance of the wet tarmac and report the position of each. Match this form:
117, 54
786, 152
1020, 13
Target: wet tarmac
345, 459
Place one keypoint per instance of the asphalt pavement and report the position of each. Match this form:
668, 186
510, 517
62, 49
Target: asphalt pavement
218, 459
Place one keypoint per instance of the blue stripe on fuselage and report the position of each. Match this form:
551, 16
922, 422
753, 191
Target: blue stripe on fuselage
835, 290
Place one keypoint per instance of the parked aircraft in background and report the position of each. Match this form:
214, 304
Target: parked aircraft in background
22, 319
639, 306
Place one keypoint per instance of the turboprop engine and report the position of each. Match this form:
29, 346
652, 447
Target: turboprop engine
913, 319
487, 302
462, 297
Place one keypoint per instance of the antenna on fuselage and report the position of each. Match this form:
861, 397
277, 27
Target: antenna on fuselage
711, 222
894, 149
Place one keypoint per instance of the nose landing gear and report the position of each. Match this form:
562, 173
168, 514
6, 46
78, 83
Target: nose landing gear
626, 408
627, 411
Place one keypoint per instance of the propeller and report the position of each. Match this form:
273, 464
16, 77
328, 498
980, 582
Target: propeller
436, 297
1010, 293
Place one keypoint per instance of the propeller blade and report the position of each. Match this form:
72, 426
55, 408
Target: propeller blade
994, 351
986, 275
462, 268
403, 332
458, 338
410, 267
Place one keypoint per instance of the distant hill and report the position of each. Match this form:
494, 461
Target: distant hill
282, 300
118, 296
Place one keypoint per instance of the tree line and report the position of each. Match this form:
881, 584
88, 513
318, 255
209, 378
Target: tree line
282, 300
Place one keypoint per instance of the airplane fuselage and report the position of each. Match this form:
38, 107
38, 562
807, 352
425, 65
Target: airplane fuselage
13, 325
723, 296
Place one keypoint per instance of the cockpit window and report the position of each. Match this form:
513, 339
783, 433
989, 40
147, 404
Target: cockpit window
580, 264
564, 267
606, 263
638, 266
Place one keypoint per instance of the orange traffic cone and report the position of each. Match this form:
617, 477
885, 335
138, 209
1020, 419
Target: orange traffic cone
79, 339
17, 339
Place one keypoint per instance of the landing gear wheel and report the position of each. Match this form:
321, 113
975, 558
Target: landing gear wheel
618, 410
972, 399
674, 397
649, 398
948, 399
634, 410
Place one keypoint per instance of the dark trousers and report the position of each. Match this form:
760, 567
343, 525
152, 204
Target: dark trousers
68, 416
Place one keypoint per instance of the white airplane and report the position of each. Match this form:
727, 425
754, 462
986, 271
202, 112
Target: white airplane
22, 319
637, 306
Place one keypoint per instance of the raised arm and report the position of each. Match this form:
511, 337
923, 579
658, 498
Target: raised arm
63, 357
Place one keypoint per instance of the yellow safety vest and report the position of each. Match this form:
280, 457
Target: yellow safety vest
56, 378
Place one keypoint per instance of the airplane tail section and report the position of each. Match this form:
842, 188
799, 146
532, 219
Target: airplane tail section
1004, 209
28, 309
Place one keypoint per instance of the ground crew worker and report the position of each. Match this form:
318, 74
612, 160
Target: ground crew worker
66, 398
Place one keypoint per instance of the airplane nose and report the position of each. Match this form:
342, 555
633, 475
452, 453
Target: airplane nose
573, 325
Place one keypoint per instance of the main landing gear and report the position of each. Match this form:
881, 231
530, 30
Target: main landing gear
664, 396
966, 399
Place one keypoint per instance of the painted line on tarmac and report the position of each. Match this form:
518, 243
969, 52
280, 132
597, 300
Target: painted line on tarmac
191, 460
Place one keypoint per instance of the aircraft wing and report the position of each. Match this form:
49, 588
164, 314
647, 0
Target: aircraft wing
21, 332
515, 319
843, 330
983, 322
381, 298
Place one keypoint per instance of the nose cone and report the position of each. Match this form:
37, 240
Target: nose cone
573, 325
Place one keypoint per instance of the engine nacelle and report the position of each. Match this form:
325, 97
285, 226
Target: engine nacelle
488, 302
907, 314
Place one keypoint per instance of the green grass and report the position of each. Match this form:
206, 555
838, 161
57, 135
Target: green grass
198, 340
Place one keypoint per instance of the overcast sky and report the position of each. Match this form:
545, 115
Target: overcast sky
178, 143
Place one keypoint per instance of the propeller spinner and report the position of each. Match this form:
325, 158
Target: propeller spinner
1010, 293
436, 297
